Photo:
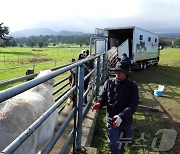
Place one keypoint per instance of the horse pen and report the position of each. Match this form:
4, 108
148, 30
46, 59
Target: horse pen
148, 123
61, 94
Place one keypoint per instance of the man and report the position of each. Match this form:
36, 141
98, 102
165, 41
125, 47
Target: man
124, 58
72, 75
121, 96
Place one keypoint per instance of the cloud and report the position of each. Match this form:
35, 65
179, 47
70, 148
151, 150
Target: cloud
86, 15
160, 14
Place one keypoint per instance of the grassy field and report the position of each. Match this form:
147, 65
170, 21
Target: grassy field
15, 61
147, 122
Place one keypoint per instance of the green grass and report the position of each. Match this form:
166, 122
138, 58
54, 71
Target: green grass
170, 57
100, 135
146, 121
15, 61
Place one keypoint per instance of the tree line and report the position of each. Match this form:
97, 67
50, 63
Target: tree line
40, 41
169, 41
44, 41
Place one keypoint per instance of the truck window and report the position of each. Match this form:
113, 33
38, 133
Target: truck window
141, 37
149, 39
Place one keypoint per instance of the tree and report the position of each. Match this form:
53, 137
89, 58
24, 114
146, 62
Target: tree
32, 44
14, 44
40, 44
87, 43
4, 39
165, 41
176, 43
3, 32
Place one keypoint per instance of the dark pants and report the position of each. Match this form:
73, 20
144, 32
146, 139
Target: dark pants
119, 138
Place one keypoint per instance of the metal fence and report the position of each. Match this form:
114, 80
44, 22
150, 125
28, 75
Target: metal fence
78, 111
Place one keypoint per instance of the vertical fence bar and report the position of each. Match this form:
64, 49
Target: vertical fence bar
80, 92
91, 46
75, 111
98, 76
104, 68
4, 57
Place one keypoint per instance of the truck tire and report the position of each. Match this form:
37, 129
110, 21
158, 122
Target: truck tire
141, 65
144, 65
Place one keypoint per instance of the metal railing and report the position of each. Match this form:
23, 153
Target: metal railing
19, 79
78, 111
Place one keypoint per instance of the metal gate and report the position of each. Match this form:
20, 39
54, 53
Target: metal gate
78, 110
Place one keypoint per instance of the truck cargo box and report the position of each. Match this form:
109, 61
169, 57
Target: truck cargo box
140, 45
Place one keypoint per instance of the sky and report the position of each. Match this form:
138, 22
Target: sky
86, 15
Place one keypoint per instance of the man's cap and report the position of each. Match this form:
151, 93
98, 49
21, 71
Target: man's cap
121, 66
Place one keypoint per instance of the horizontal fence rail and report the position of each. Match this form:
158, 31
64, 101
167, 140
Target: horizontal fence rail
78, 111
15, 80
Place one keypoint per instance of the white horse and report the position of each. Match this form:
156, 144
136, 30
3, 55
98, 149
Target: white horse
19, 112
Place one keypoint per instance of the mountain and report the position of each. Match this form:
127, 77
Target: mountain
33, 32
46, 31
176, 35
69, 33
42, 31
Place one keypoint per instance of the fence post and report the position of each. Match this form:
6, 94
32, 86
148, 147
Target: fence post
80, 91
4, 57
18, 59
98, 76
28, 72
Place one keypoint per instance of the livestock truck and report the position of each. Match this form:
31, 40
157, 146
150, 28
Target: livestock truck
141, 46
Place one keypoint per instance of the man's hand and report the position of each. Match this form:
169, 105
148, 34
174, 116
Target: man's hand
96, 106
117, 121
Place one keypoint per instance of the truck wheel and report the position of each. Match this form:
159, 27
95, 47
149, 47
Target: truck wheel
144, 65
141, 65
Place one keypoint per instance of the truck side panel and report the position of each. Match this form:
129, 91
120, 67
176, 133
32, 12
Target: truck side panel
145, 45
